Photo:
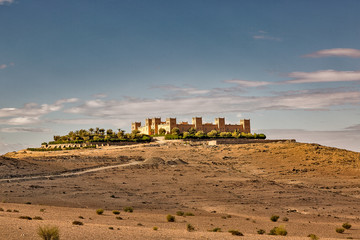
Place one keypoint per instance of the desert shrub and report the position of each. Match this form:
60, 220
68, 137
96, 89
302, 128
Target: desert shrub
285, 219
155, 228
116, 212
15, 210
340, 230
113, 196
42, 210
236, 233
25, 217
8, 210
81, 217
38, 218
180, 213
1, 209
278, 231
99, 211
48, 232
346, 225
28, 203
140, 224
190, 227
313, 237
128, 209
188, 214
274, 218
261, 231
111, 228
77, 223
216, 230
170, 218
119, 218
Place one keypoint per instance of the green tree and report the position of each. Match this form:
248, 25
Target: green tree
175, 131
162, 131
212, 133
200, 134
192, 131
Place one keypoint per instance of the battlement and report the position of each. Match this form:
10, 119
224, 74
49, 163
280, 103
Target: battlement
152, 126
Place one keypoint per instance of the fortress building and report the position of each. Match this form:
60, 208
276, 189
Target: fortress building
153, 125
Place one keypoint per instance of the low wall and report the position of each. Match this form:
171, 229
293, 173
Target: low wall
96, 144
245, 141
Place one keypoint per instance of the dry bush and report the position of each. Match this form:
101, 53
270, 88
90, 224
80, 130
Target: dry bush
48, 232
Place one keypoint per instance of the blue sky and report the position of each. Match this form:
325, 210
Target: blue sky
292, 67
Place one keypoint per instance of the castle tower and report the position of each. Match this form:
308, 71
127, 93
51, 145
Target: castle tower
220, 123
135, 126
171, 122
246, 125
154, 124
197, 121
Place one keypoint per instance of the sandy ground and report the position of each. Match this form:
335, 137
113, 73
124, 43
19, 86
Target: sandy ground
229, 187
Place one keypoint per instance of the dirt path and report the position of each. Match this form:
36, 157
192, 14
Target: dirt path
70, 173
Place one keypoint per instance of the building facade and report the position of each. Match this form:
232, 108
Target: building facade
152, 126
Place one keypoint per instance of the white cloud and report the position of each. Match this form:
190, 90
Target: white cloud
99, 95
262, 35
31, 110
335, 52
3, 66
182, 91
2, 2
246, 83
324, 76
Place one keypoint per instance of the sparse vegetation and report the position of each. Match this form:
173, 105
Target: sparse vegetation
119, 218
111, 228
188, 214
8, 210
170, 218
99, 211
190, 227
313, 237
15, 210
48, 232
1, 209
38, 218
81, 217
274, 218
340, 230
278, 231
128, 209
25, 217
116, 212
180, 213
77, 223
346, 225
236, 233
42, 210
217, 229
261, 231
285, 219
155, 228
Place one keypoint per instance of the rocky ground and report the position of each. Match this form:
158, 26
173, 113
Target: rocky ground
314, 189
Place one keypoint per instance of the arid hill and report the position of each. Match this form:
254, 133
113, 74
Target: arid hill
314, 189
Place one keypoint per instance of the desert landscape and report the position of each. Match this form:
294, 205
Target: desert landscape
209, 190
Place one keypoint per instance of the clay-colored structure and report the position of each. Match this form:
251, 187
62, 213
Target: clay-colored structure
153, 125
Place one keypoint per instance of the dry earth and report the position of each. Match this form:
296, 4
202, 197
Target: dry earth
229, 187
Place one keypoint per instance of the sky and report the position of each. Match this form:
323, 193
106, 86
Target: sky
292, 67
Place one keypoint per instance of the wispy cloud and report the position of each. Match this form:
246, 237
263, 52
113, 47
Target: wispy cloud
246, 83
211, 104
335, 52
2, 2
3, 66
25, 129
346, 139
262, 35
324, 76
181, 91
